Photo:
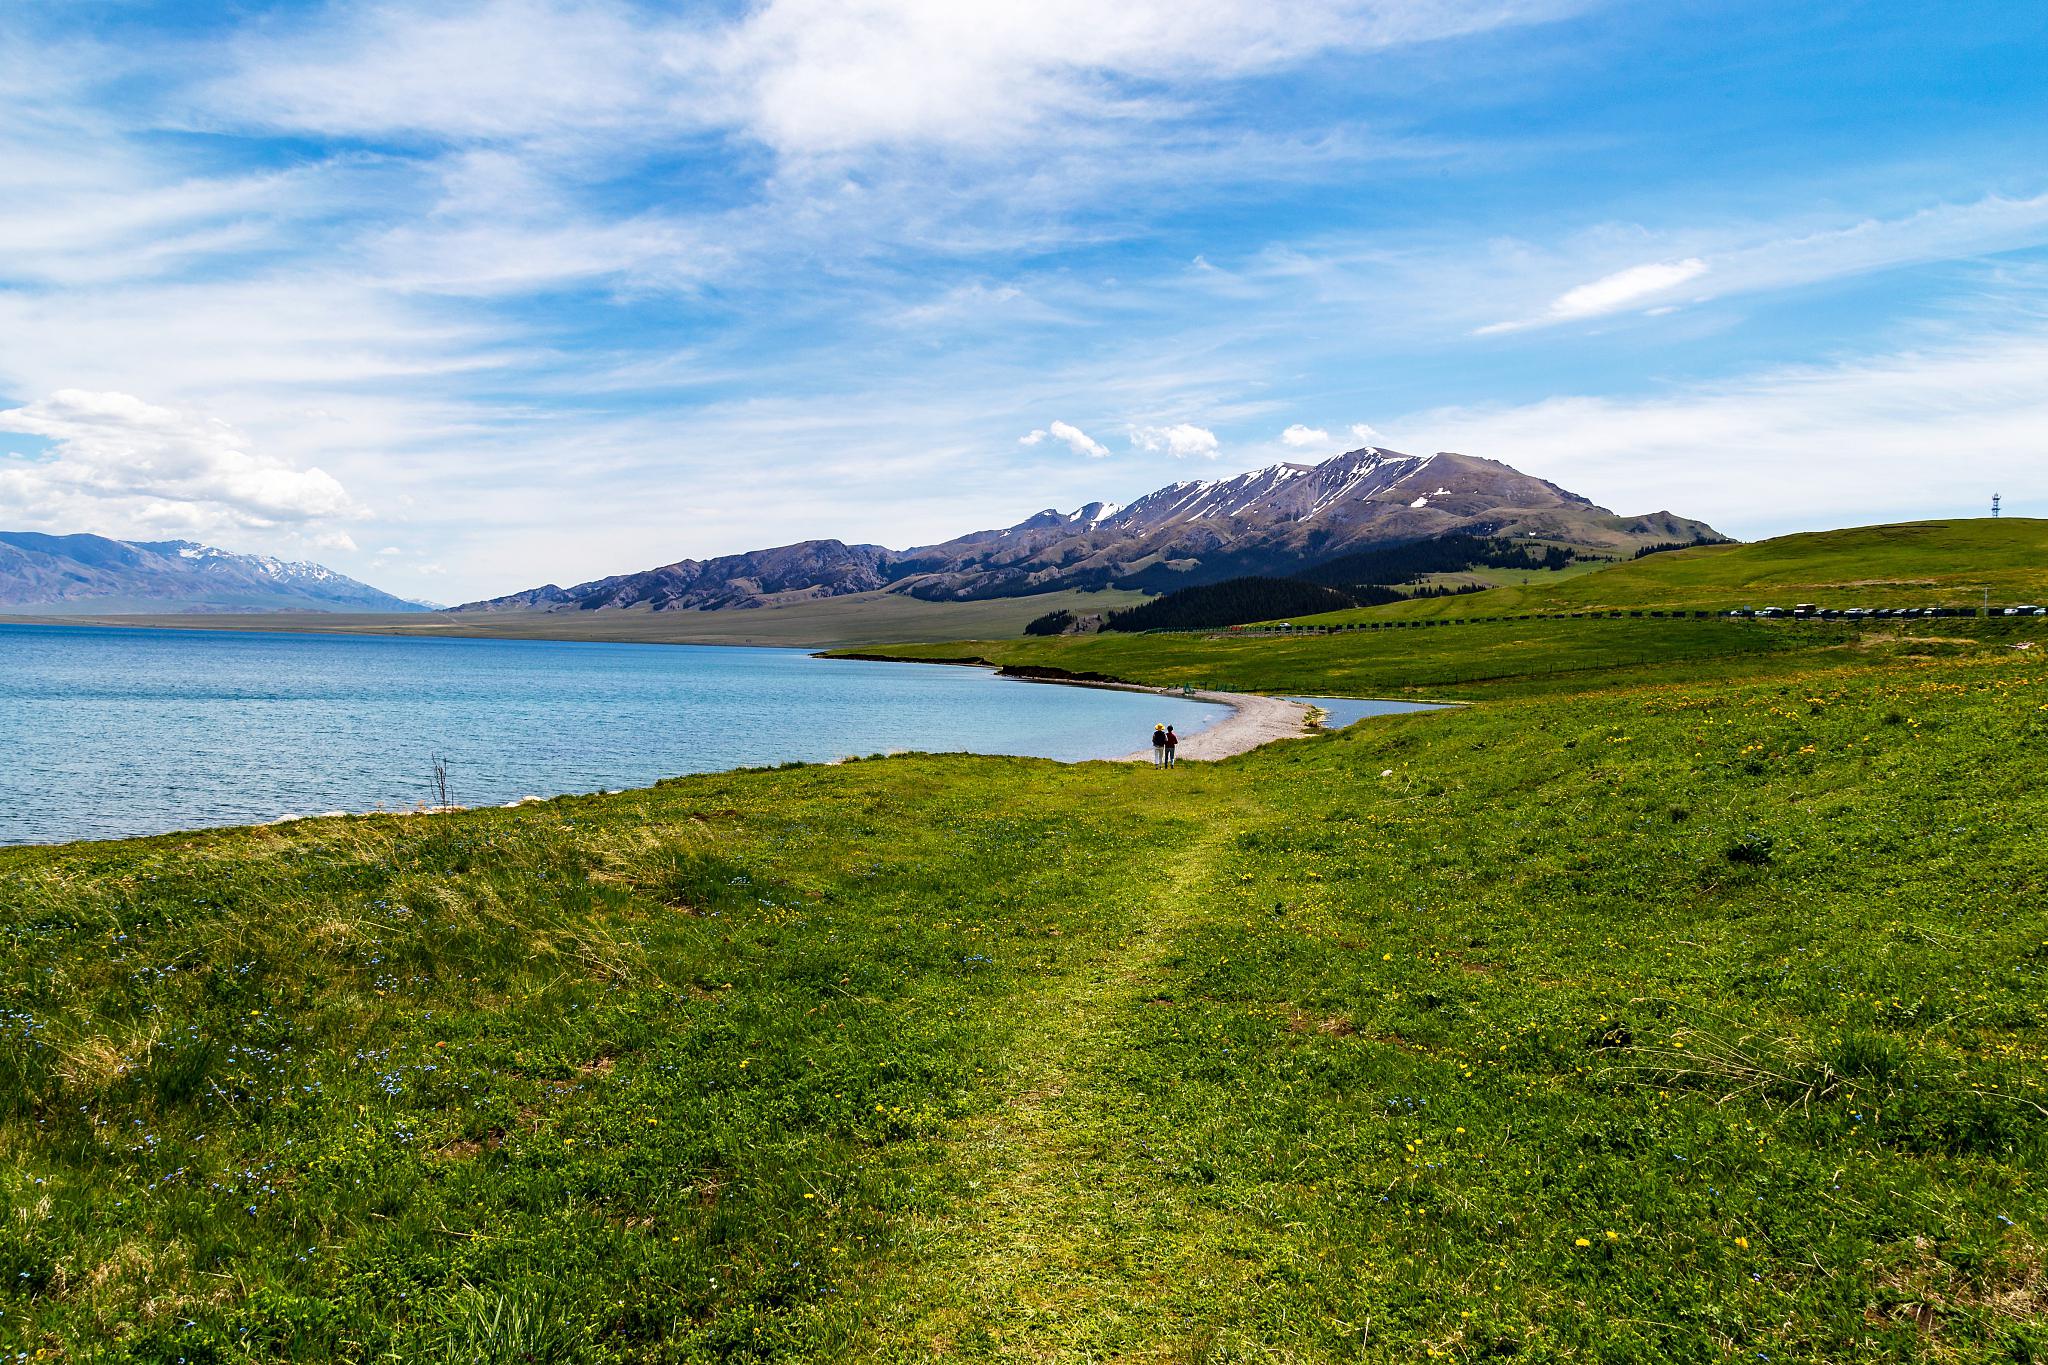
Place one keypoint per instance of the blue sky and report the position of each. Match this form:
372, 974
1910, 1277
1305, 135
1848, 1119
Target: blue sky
465, 296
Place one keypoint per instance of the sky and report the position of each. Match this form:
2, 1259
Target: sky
466, 296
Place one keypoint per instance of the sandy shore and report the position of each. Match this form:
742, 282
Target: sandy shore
1253, 721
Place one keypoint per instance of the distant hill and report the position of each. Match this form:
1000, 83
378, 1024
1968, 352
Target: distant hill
1917, 563
1272, 521
84, 574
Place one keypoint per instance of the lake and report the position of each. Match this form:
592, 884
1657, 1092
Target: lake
108, 732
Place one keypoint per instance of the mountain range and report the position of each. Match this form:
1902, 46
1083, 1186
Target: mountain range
1277, 520
78, 574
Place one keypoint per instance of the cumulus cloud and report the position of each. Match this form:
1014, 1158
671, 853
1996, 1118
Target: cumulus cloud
1611, 293
1304, 438
1180, 440
116, 462
1077, 440
1361, 431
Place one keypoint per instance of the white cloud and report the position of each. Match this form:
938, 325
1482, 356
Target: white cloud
1077, 440
116, 463
1611, 293
482, 71
1911, 434
1361, 431
1180, 440
805, 77
1304, 438
1750, 258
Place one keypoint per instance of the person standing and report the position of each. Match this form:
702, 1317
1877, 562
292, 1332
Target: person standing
1172, 743
1159, 746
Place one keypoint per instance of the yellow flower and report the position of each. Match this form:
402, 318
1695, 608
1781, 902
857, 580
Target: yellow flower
1742, 1242
1613, 1236
1581, 1242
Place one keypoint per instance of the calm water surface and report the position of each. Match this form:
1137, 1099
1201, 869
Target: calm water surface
109, 732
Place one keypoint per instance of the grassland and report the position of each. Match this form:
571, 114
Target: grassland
1512, 578
1917, 564
1466, 662
856, 619
1684, 1006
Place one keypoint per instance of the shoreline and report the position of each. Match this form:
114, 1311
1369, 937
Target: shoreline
1255, 720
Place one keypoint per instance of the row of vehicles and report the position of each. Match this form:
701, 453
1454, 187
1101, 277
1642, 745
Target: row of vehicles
1807, 611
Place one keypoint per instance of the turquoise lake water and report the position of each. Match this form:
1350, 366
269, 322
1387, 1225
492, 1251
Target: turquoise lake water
107, 732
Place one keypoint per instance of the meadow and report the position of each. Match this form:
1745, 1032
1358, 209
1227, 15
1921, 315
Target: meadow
1907, 564
1679, 1005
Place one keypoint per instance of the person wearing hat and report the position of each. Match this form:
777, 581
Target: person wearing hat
1159, 750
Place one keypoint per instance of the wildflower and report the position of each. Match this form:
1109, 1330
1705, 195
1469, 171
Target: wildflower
1581, 1242
1742, 1242
1613, 1236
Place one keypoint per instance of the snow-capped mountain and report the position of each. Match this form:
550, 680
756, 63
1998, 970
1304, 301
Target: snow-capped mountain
45, 574
1280, 519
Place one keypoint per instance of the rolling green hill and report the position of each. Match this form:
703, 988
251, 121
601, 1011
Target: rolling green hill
1916, 564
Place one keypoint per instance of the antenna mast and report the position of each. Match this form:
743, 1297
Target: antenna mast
1994, 504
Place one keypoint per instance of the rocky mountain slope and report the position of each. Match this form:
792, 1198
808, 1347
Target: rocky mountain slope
1280, 519
66, 575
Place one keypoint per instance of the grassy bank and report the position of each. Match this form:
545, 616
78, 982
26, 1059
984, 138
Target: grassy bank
1475, 661
1681, 1007
1911, 564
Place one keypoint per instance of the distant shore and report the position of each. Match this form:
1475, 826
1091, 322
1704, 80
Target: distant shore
849, 621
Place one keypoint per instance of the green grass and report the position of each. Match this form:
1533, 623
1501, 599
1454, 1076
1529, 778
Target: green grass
1500, 578
856, 619
1456, 662
1688, 1011
1917, 564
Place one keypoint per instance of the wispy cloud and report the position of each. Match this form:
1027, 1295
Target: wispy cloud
806, 78
1611, 293
1927, 432
1746, 259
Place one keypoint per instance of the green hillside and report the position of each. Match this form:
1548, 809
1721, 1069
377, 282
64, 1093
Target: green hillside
1916, 564
1683, 1005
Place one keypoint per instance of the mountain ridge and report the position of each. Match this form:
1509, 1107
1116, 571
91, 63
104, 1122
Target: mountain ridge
84, 573
1281, 518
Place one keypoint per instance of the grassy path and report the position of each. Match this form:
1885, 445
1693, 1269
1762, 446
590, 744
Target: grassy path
1072, 1247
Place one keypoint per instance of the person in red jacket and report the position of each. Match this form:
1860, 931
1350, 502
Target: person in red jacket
1172, 743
